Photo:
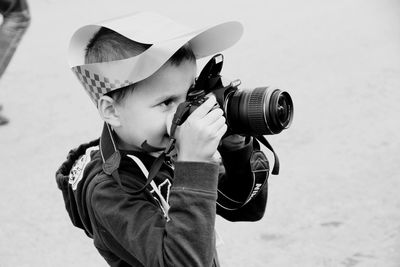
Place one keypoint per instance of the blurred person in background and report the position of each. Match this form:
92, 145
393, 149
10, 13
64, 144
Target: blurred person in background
15, 21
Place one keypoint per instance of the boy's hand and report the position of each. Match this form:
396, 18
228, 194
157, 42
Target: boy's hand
199, 136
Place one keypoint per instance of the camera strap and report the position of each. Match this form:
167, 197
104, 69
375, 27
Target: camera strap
264, 141
112, 157
259, 166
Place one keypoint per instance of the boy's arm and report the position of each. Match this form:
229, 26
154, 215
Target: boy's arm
236, 180
135, 230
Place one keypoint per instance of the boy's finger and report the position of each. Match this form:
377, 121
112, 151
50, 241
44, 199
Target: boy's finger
212, 116
221, 131
218, 124
204, 108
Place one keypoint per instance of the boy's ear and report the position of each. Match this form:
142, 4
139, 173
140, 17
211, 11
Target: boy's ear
108, 111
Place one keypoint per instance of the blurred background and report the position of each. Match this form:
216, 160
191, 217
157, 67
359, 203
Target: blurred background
336, 201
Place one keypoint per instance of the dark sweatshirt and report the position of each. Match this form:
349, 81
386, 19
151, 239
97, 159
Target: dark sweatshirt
133, 229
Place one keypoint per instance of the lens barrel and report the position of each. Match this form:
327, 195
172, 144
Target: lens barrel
261, 111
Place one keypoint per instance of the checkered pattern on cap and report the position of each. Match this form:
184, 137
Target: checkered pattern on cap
97, 85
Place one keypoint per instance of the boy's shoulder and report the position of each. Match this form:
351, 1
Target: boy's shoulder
72, 169
72, 178
81, 177
85, 163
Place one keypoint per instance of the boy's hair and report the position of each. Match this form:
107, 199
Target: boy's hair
107, 45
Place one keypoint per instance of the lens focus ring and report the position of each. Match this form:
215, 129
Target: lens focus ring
256, 112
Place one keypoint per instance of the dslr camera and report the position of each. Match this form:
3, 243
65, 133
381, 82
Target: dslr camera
256, 112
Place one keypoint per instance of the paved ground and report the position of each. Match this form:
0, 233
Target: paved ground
336, 201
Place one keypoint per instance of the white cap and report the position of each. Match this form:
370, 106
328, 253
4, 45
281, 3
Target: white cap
163, 34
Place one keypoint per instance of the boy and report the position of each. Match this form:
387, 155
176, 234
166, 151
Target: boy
169, 219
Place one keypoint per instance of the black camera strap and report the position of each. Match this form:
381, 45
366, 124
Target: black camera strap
110, 154
264, 141
112, 157
259, 166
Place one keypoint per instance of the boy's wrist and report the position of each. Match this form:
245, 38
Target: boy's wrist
197, 157
183, 158
211, 159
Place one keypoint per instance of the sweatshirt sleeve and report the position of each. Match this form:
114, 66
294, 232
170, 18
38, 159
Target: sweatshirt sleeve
136, 231
236, 182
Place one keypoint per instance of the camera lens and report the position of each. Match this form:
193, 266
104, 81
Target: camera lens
261, 111
280, 109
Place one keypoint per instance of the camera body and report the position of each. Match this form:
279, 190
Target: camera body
256, 112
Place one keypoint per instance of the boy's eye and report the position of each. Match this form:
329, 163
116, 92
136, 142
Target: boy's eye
170, 102
167, 102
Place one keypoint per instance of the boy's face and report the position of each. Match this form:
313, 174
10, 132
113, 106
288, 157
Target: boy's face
144, 113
